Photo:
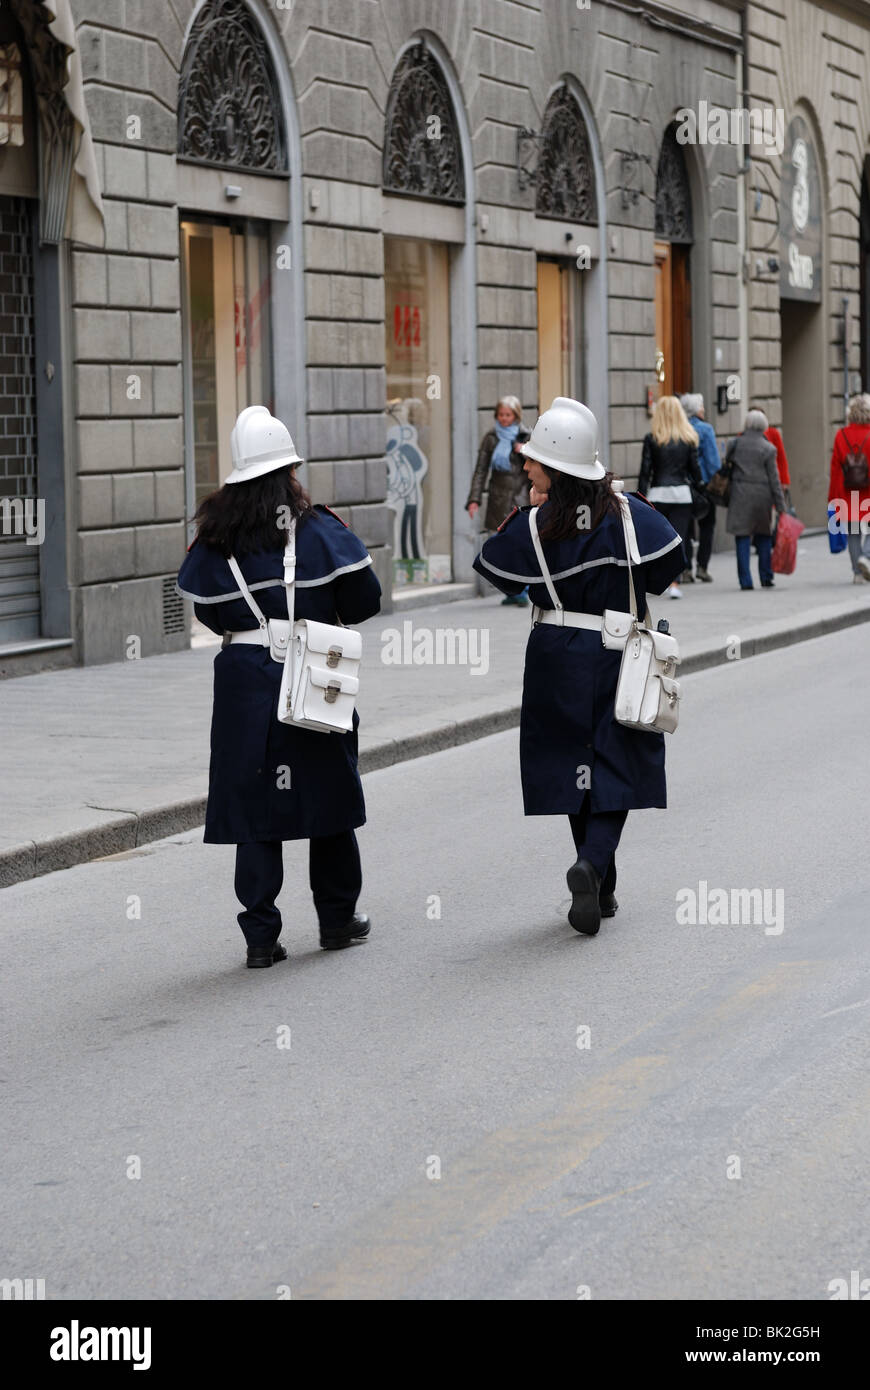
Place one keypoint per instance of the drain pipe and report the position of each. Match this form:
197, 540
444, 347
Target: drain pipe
743, 233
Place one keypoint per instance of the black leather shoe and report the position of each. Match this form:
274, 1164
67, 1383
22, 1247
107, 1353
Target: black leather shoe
584, 882
357, 929
608, 904
261, 957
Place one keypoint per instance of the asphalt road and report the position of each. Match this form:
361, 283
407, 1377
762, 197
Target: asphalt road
450, 1042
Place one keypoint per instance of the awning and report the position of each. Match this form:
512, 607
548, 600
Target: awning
85, 213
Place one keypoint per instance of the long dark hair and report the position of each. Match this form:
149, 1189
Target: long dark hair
253, 515
566, 495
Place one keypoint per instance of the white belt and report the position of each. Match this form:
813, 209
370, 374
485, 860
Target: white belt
259, 636
563, 617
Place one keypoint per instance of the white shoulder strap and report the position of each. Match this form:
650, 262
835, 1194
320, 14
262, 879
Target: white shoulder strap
631, 551
246, 593
539, 551
290, 571
632, 554
289, 578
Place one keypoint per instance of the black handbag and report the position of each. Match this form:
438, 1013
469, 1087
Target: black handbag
719, 486
700, 502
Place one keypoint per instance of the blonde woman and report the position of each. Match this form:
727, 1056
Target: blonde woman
669, 469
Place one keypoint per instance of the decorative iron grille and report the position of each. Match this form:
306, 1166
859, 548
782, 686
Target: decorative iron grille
673, 196
17, 352
229, 105
422, 149
565, 175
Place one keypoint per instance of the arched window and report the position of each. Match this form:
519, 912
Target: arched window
229, 106
673, 198
422, 151
673, 262
565, 179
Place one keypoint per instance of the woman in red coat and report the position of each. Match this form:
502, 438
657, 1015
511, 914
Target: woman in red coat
773, 434
850, 484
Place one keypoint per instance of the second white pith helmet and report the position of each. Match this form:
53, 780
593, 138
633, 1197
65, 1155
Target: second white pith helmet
565, 438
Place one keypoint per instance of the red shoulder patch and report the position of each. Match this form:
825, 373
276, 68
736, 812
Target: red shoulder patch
335, 514
508, 518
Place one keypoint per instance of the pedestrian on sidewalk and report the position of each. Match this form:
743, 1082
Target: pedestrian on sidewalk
575, 759
849, 488
268, 781
669, 470
703, 525
500, 461
755, 488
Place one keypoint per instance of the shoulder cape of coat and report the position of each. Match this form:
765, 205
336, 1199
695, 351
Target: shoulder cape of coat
510, 553
569, 738
326, 549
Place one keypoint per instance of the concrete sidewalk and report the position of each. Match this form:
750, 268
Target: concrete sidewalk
101, 759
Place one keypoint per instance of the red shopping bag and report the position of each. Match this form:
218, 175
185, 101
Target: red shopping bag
785, 550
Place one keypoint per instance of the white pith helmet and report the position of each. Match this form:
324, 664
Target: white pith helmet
564, 438
259, 443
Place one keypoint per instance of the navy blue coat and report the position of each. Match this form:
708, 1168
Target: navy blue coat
569, 685
334, 582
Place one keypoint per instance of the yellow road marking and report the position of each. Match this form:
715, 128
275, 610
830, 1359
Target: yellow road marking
623, 1191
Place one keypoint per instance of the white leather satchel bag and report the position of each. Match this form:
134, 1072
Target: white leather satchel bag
320, 681
647, 693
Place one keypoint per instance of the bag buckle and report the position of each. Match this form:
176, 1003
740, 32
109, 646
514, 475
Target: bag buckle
332, 691
333, 656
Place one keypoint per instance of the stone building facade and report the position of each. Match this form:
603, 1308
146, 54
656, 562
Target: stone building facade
378, 216
808, 341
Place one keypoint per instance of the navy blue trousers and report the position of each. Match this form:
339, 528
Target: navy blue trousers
596, 837
334, 873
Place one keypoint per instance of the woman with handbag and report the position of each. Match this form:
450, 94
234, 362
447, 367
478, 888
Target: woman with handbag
271, 781
576, 759
849, 489
750, 461
670, 475
500, 468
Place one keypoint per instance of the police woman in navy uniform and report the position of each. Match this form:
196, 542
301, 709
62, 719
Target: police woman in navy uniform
254, 802
575, 759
